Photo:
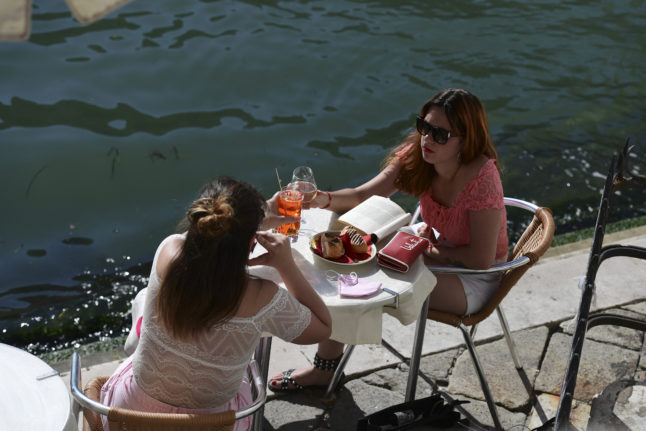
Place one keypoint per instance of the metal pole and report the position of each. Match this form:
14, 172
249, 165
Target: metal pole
416, 354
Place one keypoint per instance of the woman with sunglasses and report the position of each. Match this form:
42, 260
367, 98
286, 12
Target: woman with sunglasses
203, 314
450, 164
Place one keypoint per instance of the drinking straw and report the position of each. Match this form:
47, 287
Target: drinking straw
278, 178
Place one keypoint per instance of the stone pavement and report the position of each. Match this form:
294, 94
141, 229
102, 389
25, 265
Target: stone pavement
540, 311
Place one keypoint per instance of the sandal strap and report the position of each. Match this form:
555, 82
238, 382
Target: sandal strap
287, 379
326, 364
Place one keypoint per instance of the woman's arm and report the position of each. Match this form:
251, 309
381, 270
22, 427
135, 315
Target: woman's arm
343, 200
480, 253
279, 256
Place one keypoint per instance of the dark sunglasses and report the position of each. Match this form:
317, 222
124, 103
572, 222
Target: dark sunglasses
439, 135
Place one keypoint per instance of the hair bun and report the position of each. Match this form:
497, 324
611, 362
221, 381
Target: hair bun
211, 217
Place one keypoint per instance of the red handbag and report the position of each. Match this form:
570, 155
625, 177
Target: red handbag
402, 251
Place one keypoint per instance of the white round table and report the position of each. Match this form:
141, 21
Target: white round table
356, 320
27, 402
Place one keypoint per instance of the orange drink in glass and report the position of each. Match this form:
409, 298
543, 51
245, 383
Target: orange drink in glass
290, 203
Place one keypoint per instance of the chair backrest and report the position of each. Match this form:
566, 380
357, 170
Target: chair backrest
132, 420
533, 243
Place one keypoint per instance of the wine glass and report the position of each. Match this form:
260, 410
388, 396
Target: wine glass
303, 180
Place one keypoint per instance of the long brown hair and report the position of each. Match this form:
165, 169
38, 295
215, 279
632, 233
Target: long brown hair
467, 118
206, 280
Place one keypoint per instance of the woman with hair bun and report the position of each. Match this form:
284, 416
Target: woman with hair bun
204, 314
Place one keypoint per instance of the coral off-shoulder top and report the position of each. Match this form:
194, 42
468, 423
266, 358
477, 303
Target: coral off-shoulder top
452, 223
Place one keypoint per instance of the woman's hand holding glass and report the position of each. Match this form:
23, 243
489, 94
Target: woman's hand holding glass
272, 218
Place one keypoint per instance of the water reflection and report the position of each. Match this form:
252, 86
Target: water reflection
42, 318
83, 115
113, 126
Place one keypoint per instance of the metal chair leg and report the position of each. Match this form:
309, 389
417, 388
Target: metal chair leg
509, 339
339, 371
263, 350
481, 377
416, 354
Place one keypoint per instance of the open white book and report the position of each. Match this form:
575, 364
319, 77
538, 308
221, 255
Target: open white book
377, 214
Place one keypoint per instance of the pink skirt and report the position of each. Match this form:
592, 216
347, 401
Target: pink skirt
121, 390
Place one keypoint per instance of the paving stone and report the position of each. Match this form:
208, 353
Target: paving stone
358, 400
620, 277
480, 412
547, 406
438, 365
507, 386
437, 336
621, 336
637, 307
601, 364
640, 307
630, 407
294, 412
396, 380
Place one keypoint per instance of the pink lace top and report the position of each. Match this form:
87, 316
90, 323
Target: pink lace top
483, 192
207, 372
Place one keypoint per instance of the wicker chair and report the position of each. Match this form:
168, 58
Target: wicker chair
132, 420
533, 243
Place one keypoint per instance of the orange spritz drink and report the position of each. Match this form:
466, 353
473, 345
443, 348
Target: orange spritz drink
290, 203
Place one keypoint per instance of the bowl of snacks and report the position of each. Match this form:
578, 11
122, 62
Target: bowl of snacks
350, 246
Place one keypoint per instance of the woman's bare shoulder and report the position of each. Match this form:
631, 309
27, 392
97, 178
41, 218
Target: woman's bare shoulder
259, 293
472, 169
169, 251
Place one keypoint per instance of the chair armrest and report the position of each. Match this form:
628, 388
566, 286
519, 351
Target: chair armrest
510, 202
524, 260
77, 393
261, 391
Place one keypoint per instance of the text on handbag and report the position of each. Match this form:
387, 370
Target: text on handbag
411, 243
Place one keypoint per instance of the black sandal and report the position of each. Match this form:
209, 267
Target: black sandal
319, 363
285, 381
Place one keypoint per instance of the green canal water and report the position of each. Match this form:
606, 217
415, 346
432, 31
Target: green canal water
107, 131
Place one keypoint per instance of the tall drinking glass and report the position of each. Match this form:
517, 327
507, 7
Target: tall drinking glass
290, 203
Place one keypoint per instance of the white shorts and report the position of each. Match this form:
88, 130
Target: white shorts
478, 289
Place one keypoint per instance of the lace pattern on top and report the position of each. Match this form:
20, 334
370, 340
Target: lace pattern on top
207, 372
483, 192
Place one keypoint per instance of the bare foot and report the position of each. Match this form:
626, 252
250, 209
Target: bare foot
305, 377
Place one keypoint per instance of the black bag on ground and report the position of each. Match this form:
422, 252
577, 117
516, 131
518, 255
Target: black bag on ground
432, 411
